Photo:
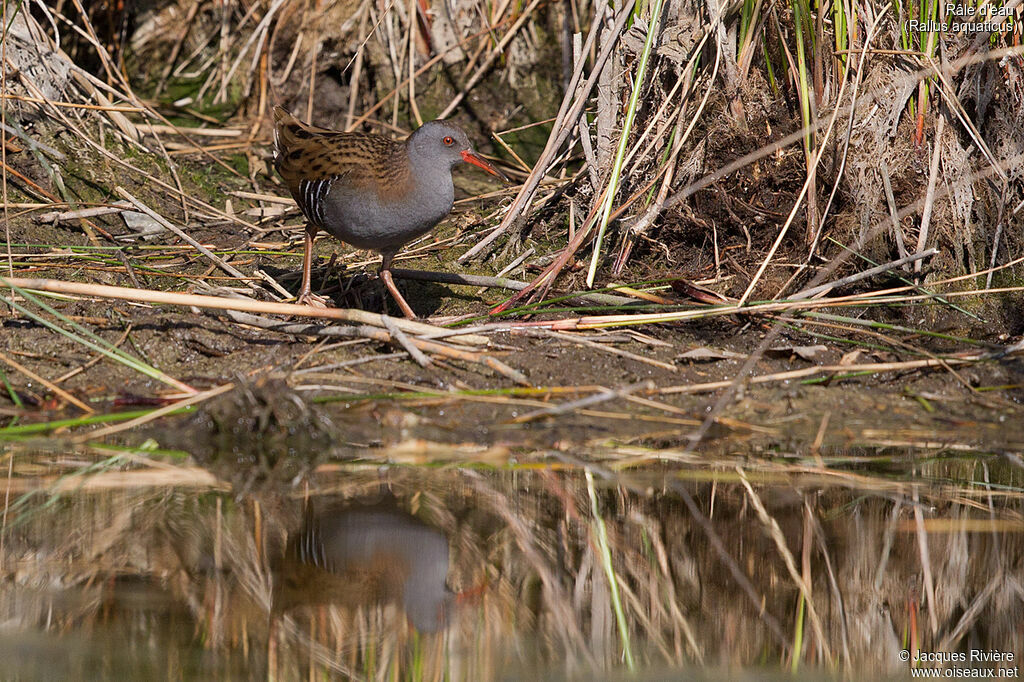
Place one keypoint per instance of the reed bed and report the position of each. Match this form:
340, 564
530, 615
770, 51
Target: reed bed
758, 276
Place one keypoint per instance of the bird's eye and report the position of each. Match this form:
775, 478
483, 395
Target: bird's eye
448, 140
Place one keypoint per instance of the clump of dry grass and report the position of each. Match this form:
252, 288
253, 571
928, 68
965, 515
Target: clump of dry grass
865, 87
654, 152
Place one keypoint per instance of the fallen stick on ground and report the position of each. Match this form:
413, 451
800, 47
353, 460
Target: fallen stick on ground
241, 304
871, 272
502, 282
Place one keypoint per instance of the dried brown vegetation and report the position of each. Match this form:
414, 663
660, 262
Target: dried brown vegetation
799, 393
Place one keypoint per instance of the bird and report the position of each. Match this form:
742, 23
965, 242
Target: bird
367, 556
369, 190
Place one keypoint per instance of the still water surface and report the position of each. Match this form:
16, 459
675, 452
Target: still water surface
542, 572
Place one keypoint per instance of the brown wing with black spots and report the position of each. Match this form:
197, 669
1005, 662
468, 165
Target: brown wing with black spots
312, 160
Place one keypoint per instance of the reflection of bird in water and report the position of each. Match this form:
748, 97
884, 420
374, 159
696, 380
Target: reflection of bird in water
367, 556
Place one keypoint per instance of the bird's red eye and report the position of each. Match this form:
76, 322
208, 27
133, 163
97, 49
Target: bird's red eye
449, 140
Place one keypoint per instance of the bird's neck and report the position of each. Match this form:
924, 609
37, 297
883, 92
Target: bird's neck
430, 185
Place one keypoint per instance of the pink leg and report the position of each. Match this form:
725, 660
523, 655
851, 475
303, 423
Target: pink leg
385, 274
306, 296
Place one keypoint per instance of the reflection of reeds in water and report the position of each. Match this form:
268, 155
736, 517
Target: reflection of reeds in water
718, 583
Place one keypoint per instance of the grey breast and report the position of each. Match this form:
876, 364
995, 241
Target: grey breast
367, 220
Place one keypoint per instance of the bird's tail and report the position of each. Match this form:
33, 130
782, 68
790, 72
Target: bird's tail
289, 131
284, 131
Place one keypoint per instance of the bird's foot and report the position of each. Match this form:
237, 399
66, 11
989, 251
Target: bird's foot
313, 300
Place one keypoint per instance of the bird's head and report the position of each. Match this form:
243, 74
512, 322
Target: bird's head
446, 144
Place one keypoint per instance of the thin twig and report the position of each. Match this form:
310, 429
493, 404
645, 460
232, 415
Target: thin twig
870, 272
47, 383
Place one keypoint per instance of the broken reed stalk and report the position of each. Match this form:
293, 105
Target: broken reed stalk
413, 345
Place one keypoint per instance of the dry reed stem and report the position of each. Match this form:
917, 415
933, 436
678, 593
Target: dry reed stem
399, 336
47, 383
864, 274
565, 124
218, 303
502, 282
603, 395
123, 108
